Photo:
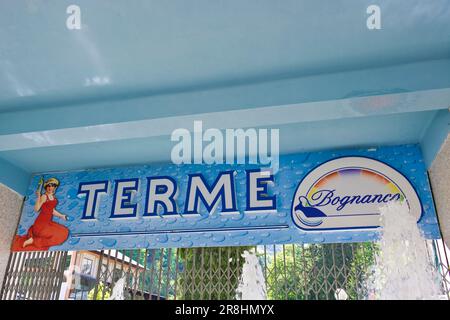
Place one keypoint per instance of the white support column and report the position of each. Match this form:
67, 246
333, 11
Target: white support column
10, 209
440, 182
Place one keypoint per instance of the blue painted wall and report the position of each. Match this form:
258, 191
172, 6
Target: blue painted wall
14, 177
435, 135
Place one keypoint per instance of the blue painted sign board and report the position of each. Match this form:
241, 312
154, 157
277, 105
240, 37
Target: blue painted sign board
319, 197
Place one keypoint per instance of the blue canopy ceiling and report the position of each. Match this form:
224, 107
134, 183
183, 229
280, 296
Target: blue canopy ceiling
110, 93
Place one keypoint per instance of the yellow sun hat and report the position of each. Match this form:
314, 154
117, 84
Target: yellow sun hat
51, 181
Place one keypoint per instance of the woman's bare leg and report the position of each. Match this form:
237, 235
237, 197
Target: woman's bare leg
28, 242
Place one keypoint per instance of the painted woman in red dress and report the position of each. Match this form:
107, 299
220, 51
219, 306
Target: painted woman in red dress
44, 233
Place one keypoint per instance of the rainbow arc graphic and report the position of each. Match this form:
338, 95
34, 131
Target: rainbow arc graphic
369, 174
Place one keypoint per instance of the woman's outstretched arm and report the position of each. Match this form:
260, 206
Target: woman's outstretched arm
59, 214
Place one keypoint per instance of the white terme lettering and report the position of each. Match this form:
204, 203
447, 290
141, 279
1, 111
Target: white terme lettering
257, 192
222, 188
161, 193
92, 191
122, 206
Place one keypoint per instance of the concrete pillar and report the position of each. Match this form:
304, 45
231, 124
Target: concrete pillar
440, 183
10, 209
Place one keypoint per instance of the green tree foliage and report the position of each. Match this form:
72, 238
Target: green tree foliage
316, 271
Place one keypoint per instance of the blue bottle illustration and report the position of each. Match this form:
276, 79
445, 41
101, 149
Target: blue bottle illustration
308, 214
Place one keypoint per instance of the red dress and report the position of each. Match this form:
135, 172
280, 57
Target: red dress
44, 231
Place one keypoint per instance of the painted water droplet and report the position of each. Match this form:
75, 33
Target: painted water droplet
318, 239
142, 244
187, 244
162, 224
283, 239
238, 234
74, 241
108, 242
176, 238
171, 220
72, 193
237, 217
162, 238
218, 238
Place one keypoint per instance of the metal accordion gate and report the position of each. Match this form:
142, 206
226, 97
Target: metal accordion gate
34, 276
294, 272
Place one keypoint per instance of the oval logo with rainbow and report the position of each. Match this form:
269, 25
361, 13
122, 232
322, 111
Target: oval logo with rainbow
346, 193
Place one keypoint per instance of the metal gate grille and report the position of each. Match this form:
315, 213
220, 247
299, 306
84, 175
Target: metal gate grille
34, 276
294, 272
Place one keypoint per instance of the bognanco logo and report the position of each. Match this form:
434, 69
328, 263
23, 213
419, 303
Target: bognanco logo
346, 193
